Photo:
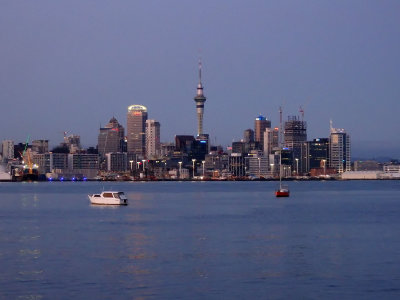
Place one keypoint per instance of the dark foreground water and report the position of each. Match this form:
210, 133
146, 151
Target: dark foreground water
201, 240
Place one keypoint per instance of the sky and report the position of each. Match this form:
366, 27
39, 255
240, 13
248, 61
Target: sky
73, 65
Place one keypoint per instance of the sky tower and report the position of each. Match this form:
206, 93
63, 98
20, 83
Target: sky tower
200, 99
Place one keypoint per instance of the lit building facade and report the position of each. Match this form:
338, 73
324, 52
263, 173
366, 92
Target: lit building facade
136, 130
339, 150
260, 124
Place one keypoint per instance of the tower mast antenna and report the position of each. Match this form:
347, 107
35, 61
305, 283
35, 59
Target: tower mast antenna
200, 99
200, 70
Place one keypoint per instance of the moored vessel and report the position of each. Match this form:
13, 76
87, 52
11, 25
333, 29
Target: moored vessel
109, 198
283, 190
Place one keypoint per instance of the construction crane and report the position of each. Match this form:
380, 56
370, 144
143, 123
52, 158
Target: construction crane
301, 110
30, 169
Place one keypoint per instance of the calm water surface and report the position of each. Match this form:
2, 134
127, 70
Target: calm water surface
201, 240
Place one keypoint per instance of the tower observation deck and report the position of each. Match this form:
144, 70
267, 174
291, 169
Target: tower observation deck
200, 99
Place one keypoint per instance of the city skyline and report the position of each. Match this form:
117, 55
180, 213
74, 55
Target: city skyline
336, 61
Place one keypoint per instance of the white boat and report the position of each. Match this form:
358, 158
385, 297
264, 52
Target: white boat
109, 198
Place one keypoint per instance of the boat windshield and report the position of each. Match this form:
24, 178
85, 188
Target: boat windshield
116, 195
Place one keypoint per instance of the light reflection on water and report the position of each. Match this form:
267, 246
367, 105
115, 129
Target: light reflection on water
200, 240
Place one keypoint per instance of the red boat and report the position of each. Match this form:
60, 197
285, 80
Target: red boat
282, 192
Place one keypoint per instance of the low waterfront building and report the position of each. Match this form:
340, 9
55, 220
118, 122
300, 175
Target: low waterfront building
47, 162
237, 165
361, 175
367, 165
257, 165
117, 162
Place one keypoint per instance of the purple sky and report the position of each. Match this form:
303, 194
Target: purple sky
72, 65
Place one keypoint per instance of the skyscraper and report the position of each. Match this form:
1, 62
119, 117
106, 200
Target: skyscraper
40, 146
248, 136
268, 141
111, 138
200, 99
339, 150
7, 150
317, 153
136, 129
260, 124
295, 136
152, 139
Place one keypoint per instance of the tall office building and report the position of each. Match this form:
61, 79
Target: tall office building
153, 145
268, 141
260, 124
200, 99
295, 135
248, 136
275, 138
317, 154
72, 142
136, 130
111, 138
7, 150
339, 150
40, 146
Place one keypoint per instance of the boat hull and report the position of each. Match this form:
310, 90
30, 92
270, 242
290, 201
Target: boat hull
282, 193
94, 199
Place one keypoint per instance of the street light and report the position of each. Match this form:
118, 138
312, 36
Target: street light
143, 160
203, 162
138, 165
180, 169
131, 161
193, 161
272, 169
297, 167
259, 166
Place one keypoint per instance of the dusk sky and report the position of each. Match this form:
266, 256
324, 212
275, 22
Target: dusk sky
72, 65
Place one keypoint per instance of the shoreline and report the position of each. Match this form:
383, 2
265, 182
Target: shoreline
206, 180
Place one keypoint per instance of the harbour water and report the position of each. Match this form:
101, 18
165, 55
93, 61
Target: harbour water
201, 240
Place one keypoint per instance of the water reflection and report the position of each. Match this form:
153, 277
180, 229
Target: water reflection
182, 240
